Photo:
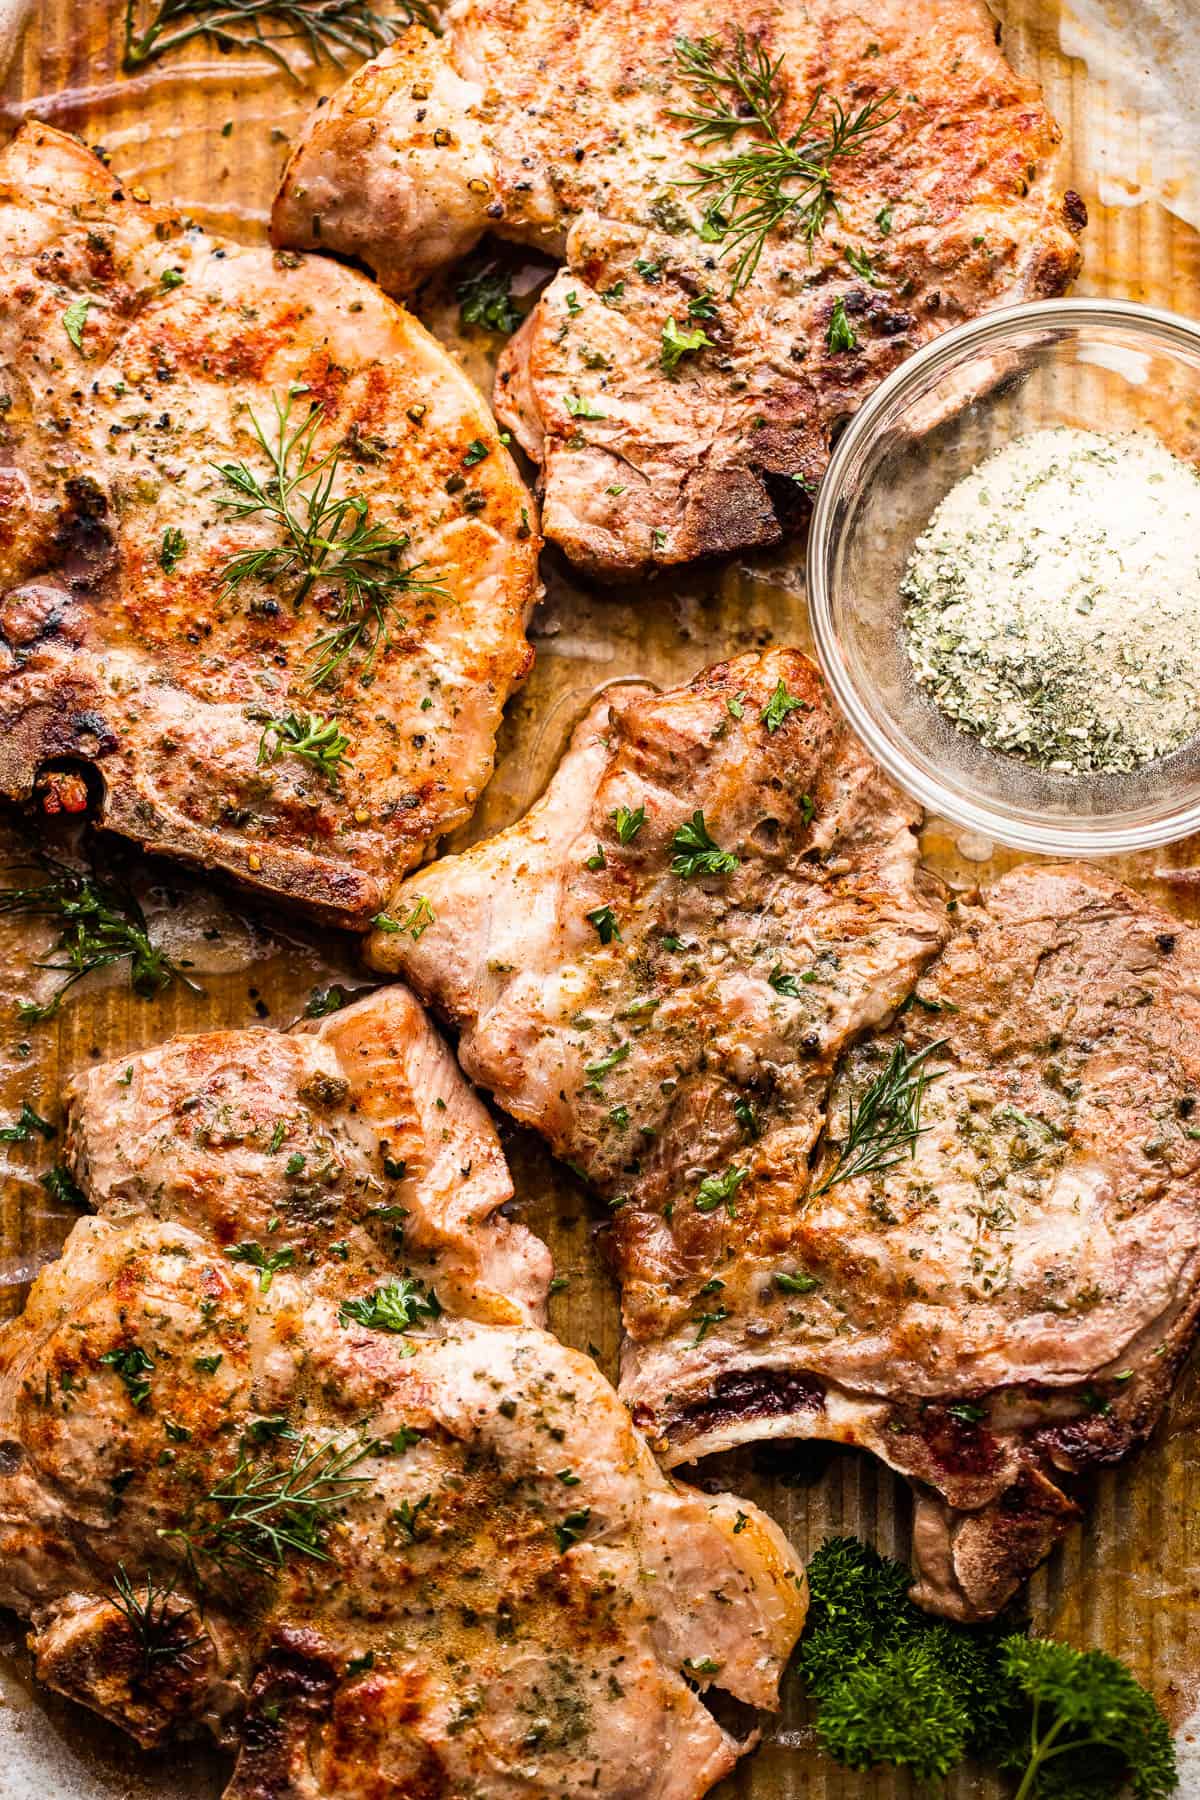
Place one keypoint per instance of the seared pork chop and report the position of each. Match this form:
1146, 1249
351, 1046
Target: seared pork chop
998, 1312
664, 1013
259, 1473
305, 702
676, 408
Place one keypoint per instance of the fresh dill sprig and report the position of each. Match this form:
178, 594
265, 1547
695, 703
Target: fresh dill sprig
754, 190
101, 925
328, 29
325, 538
265, 1513
154, 1625
885, 1120
311, 736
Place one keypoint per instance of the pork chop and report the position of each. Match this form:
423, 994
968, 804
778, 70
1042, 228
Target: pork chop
680, 378
991, 1316
282, 1455
302, 689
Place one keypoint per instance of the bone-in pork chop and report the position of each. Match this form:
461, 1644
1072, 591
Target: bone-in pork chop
282, 1456
714, 911
298, 684
761, 208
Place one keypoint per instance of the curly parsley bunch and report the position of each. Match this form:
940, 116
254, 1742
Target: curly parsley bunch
895, 1686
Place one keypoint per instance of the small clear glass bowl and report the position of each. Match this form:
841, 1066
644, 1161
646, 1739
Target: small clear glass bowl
1100, 365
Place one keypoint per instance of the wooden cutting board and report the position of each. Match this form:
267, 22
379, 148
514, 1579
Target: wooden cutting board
209, 132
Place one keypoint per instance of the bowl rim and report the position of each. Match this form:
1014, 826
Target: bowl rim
1017, 830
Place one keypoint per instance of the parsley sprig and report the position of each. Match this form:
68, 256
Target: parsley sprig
896, 1686
396, 1306
697, 851
780, 178
324, 538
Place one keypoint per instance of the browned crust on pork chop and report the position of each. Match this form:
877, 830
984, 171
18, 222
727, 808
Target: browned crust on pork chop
484, 1584
560, 126
123, 647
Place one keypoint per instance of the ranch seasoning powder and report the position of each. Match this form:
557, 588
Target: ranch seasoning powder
1052, 604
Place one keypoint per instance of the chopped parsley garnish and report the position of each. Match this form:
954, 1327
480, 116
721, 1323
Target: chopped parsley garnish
133, 1366
582, 408
396, 1306
707, 1321
796, 1284
407, 1517
697, 851
706, 1666
266, 1262
746, 1117
415, 921
75, 318
860, 262
628, 822
475, 453
783, 982
484, 298
61, 1186
604, 920
596, 1071
23, 1127
839, 333
569, 1530
720, 1190
172, 550
677, 344
779, 706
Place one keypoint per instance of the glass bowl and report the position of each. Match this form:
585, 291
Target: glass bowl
1099, 365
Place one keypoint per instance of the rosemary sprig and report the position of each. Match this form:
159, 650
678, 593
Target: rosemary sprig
267, 1513
328, 29
778, 179
101, 925
325, 538
885, 1121
311, 736
155, 1627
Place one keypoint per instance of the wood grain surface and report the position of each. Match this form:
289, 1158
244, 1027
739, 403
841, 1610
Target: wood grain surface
209, 133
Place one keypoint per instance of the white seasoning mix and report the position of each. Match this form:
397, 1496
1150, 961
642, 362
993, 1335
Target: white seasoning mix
1052, 604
